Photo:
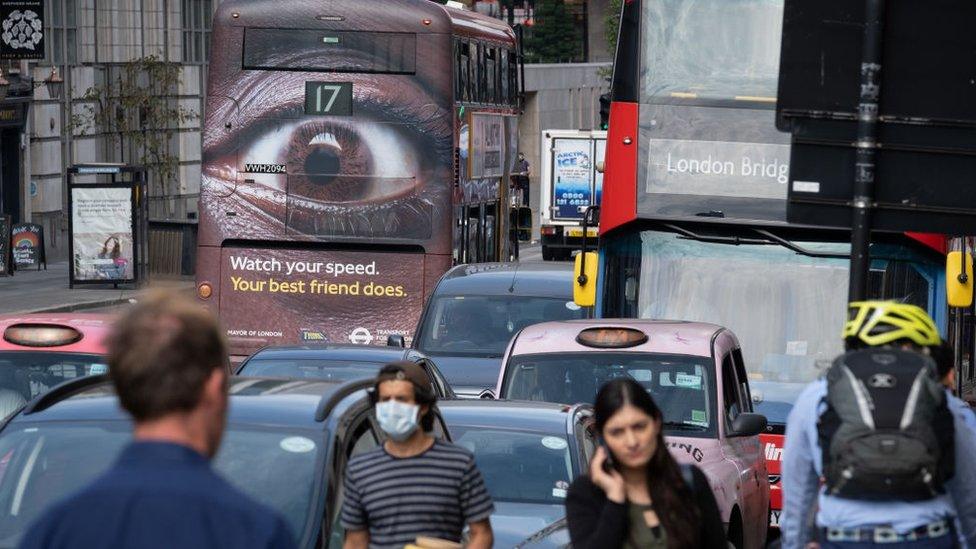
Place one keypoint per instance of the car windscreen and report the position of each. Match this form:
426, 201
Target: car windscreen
309, 368
681, 385
43, 463
519, 466
26, 374
774, 399
482, 326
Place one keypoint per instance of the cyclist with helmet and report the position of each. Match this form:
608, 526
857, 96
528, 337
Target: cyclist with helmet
874, 454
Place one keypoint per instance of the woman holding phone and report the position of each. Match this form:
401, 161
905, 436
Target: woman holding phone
636, 494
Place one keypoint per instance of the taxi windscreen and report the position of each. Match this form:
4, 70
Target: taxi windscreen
26, 374
682, 386
43, 463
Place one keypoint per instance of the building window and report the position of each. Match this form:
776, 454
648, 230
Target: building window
197, 22
62, 47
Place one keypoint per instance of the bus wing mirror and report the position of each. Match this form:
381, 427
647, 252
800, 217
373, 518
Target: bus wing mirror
959, 279
584, 279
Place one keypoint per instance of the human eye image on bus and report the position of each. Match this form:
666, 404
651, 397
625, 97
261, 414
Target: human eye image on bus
332, 133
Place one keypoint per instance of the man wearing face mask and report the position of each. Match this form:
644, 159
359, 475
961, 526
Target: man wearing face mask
168, 362
413, 485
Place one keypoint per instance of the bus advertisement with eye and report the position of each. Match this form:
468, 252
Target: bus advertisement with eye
332, 142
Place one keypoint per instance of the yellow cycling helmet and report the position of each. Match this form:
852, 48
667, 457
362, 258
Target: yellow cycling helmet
876, 323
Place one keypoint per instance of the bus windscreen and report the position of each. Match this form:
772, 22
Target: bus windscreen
711, 49
330, 51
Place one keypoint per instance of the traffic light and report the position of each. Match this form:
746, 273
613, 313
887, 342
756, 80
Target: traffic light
605, 111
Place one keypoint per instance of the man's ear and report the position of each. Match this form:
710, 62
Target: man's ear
215, 388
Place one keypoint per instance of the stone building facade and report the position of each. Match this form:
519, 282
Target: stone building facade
89, 41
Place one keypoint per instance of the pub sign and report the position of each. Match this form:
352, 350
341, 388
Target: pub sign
22, 29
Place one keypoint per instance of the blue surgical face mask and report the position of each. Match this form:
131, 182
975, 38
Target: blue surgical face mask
398, 420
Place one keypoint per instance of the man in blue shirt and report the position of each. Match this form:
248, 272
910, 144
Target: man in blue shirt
811, 515
944, 359
168, 362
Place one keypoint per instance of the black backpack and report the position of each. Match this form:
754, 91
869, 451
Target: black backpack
887, 433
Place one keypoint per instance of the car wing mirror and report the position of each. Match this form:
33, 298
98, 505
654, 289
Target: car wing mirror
395, 341
748, 425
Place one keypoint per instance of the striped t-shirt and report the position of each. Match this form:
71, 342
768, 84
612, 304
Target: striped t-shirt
433, 494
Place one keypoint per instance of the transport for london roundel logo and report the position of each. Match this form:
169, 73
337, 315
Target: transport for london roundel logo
361, 336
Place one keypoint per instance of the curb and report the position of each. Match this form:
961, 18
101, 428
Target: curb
75, 307
94, 304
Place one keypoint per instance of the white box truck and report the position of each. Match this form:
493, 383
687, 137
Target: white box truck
569, 183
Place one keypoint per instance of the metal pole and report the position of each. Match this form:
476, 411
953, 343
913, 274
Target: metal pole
510, 5
867, 133
957, 348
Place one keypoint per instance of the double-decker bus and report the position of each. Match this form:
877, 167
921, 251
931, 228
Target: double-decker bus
352, 152
693, 217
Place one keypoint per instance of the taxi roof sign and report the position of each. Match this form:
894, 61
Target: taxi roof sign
41, 335
611, 338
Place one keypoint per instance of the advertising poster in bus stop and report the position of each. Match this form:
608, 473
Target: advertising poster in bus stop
572, 169
273, 296
101, 234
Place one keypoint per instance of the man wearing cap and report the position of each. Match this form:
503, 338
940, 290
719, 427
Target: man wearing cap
412, 485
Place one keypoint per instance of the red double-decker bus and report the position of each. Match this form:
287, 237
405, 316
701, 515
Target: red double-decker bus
352, 152
693, 217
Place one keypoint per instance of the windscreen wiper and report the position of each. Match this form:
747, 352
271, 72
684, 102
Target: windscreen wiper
683, 426
733, 240
769, 240
799, 249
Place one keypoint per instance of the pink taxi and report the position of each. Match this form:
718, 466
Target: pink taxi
696, 375
39, 351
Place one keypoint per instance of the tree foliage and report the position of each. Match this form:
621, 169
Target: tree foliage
611, 28
554, 38
138, 110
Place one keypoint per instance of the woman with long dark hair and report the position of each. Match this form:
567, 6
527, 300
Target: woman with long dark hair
644, 499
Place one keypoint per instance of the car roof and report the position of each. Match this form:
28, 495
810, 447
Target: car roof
663, 336
529, 279
329, 351
93, 327
543, 417
253, 401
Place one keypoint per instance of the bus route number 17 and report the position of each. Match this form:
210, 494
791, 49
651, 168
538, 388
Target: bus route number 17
328, 98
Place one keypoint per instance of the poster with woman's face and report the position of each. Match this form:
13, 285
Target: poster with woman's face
323, 135
101, 234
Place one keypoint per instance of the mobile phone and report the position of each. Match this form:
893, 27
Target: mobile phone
608, 463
